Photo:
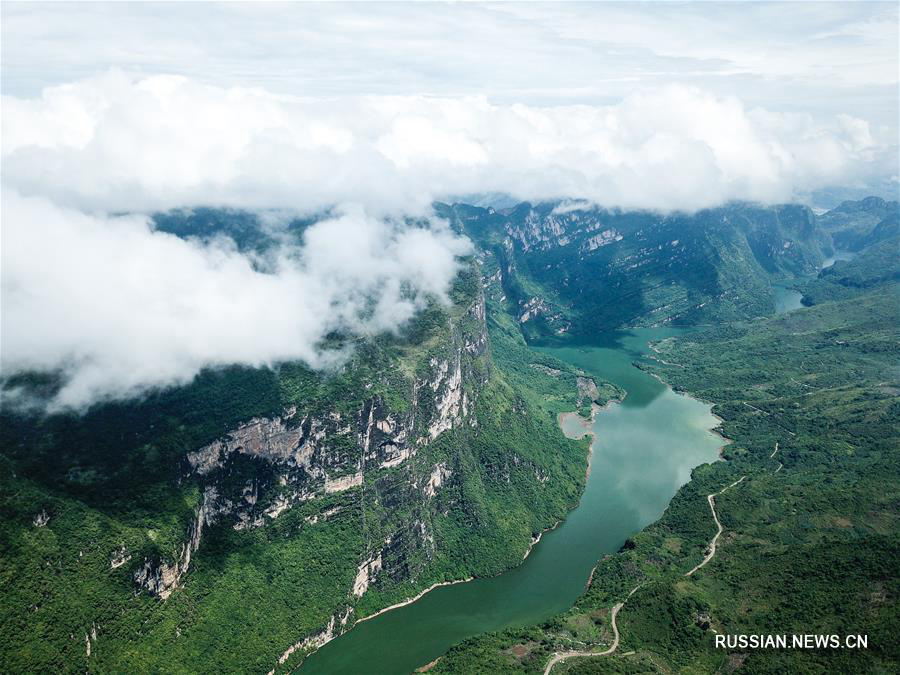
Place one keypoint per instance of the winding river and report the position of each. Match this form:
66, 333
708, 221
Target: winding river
787, 299
643, 451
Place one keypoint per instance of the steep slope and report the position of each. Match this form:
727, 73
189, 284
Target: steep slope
575, 270
853, 225
810, 540
234, 524
876, 265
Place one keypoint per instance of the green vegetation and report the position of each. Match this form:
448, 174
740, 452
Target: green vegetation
854, 225
811, 537
87, 500
585, 271
877, 265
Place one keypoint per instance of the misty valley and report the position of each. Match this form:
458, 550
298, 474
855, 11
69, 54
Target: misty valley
459, 338
562, 438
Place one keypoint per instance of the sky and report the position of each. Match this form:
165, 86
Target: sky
799, 56
374, 110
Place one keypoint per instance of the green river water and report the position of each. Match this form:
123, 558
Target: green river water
644, 450
788, 299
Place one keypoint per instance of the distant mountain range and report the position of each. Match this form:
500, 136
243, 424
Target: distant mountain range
570, 269
134, 535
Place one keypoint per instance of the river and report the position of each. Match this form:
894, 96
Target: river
788, 299
644, 450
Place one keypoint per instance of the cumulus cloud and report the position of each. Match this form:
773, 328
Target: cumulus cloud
118, 307
116, 142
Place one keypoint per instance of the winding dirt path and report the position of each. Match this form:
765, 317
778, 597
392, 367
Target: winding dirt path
562, 656
711, 550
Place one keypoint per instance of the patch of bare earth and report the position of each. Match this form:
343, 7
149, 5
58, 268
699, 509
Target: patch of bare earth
521, 652
735, 661
428, 666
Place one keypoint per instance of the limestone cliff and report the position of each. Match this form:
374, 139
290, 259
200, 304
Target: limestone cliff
300, 456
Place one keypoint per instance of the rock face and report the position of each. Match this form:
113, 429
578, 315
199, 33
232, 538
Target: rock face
313, 642
437, 478
298, 457
367, 570
587, 389
270, 439
161, 578
577, 268
41, 519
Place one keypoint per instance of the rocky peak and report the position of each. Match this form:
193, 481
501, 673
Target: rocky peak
319, 453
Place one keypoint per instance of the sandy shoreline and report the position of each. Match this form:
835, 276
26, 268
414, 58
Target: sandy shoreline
716, 430
587, 427
409, 601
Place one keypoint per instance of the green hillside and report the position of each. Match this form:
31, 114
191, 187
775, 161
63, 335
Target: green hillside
853, 225
810, 542
212, 527
235, 523
579, 271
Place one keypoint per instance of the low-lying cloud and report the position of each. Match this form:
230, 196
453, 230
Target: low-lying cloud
119, 307
119, 143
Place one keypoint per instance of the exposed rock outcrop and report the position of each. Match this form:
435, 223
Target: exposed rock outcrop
335, 627
587, 389
161, 578
296, 457
366, 571
439, 474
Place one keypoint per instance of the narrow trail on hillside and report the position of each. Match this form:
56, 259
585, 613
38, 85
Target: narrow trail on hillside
562, 656
711, 550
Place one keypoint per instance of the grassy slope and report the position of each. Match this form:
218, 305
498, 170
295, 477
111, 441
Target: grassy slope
115, 477
813, 548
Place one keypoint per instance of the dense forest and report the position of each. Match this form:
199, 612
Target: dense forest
148, 536
810, 538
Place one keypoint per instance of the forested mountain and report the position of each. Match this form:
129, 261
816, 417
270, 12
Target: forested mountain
853, 225
574, 269
876, 265
236, 523
807, 502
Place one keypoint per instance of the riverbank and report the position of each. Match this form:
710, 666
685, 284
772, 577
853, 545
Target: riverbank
535, 540
409, 601
585, 427
640, 453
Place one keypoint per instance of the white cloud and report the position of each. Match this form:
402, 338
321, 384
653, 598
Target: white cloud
120, 308
826, 58
118, 143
